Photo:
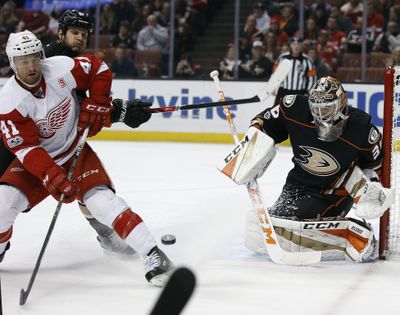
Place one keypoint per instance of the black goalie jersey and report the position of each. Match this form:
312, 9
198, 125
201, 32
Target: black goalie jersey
322, 165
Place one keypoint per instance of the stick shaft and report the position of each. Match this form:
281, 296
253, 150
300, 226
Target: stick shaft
25, 293
253, 99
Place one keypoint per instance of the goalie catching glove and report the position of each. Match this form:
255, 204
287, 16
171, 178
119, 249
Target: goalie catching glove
371, 199
250, 158
131, 113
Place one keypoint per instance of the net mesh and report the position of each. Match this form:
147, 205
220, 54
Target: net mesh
394, 214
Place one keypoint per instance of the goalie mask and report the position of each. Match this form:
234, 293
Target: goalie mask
328, 106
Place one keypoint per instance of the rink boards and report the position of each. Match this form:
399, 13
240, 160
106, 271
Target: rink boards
209, 125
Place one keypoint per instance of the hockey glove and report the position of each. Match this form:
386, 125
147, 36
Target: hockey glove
131, 113
93, 115
56, 182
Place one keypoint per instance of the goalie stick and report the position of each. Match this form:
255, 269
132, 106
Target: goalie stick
25, 293
275, 252
276, 79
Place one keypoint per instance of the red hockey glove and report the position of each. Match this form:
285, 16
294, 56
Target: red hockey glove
56, 182
93, 115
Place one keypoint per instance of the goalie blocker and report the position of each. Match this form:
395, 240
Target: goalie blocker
250, 158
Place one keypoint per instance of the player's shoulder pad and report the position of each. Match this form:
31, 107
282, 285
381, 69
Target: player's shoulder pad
11, 96
361, 128
57, 66
288, 100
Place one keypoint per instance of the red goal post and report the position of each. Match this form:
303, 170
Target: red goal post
389, 232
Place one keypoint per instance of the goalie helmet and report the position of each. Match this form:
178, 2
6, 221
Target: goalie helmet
22, 44
75, 18
328, 106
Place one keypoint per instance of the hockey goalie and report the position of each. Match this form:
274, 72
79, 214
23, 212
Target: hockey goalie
337, 158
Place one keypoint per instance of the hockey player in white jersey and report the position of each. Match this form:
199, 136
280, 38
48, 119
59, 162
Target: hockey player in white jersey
41, 122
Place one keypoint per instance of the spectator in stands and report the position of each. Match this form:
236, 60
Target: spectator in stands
5, 69
394, 13
153, 36
322, 68
108, 20
258, 67
281, 36
123, 37
184, 68
288, 22
320, 4
352, 9
271, 47
387, 41
250, 31
124, 11
140, 21
227, 65
164, 14
8, 18
310, 33
321, 17
122, 65
53, 23
36, 21
355, 37
263, 20
184, 41
343, 22
394, 59
336, 37
375, 21
327, 52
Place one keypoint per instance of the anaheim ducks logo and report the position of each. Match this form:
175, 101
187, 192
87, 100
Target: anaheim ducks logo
318, 162
55, 119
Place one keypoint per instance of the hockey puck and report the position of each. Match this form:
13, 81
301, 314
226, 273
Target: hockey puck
168, 239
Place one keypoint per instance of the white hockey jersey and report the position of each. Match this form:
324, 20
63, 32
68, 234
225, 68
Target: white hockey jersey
48, 117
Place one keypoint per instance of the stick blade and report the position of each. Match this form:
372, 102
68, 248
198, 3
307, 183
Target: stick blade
279, 256
22, 297
176, 293
276, 79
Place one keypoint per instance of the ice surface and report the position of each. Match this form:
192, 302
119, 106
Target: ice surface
177, 190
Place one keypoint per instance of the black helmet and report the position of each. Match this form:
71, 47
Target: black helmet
75, 18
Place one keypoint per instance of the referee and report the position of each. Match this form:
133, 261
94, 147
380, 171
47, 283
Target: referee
303, 75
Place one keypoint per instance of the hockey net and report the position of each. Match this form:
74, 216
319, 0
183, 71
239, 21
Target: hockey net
389, 238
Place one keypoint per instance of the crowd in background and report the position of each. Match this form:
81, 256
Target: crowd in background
331, 28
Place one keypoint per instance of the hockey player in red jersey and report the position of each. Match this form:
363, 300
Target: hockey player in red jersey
337, 157
41, 121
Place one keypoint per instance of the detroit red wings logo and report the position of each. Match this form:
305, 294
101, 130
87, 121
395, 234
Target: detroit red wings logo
55, 120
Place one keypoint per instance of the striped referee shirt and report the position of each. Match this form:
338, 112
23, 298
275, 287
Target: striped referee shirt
303, 75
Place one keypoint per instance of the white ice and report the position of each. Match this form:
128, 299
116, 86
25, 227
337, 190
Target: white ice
177, 189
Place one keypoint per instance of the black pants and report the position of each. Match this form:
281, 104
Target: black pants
6, 157
298, 203
283, 92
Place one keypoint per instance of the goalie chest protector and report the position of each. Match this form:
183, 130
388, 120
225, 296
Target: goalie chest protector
319, 164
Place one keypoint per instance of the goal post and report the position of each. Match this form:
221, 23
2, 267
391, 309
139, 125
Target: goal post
389, 232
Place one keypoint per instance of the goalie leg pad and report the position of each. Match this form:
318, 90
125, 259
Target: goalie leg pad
337, 238
250, 158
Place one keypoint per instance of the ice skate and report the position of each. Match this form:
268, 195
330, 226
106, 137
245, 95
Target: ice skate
111, 243
158, 267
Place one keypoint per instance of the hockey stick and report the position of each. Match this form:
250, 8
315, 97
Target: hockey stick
25, 293
275, 252
176, 293
276, 79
